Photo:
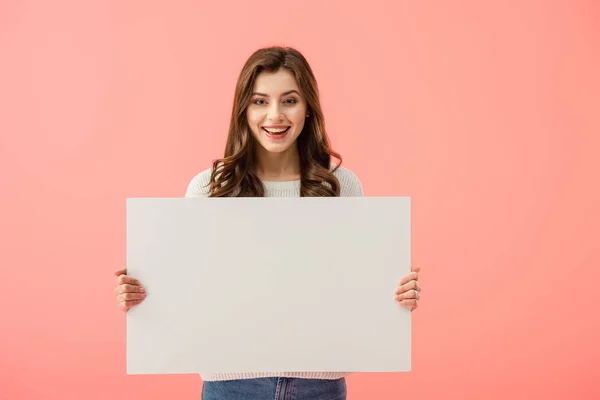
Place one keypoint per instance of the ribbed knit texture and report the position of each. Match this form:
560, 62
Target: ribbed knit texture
350, 187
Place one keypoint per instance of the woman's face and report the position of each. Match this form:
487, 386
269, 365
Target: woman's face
277, 110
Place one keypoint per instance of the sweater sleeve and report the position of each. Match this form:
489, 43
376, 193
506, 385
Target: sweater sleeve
350, 184
199, 185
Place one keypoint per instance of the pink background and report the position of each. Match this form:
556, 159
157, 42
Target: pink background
485, 113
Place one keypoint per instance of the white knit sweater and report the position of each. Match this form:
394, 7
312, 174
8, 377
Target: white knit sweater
350, 187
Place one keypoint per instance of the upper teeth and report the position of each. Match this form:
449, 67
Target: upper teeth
276, 130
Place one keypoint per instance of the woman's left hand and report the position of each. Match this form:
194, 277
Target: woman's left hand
409, 290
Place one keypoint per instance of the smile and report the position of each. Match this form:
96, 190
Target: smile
276, 131
276, 134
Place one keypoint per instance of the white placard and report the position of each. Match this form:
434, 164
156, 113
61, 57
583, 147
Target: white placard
268, 284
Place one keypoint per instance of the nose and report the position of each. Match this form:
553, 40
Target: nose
274, 112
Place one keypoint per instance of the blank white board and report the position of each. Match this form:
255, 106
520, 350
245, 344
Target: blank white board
268, 284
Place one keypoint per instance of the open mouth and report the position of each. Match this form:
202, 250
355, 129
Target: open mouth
276, 133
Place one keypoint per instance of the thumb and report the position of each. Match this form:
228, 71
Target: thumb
121, 272
415, 269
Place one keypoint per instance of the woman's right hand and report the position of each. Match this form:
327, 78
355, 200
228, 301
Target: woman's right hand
129, 290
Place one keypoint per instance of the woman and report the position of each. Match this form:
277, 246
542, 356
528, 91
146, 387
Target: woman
277, 147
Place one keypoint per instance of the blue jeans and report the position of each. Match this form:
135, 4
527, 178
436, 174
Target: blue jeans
275, 389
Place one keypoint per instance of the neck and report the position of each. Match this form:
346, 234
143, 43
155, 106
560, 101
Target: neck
283, 166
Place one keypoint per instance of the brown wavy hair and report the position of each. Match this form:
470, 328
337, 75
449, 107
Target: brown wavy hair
234, 175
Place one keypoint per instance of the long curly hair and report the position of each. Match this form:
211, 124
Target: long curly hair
234, 175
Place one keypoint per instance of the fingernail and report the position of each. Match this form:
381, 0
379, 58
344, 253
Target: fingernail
142, 290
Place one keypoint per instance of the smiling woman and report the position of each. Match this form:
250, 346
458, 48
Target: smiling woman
277, 130
276, 147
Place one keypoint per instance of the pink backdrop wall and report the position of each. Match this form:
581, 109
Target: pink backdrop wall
486, 114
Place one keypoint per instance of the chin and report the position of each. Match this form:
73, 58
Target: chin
275, 148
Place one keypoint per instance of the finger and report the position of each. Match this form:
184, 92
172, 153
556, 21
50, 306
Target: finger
126, 288
409, 303
413, 276
415, 269
126, 305
411, 294
124, 279
412, 285
121, 272
131, 296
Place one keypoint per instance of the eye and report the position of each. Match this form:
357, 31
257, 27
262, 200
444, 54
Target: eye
258, 102
290, 101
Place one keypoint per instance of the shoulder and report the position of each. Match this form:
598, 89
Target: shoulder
350, 185
199, 185
349, 182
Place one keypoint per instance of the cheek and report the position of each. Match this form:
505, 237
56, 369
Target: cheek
253, 120
297, 116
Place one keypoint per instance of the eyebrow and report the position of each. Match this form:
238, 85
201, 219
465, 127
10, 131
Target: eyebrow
284, 94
